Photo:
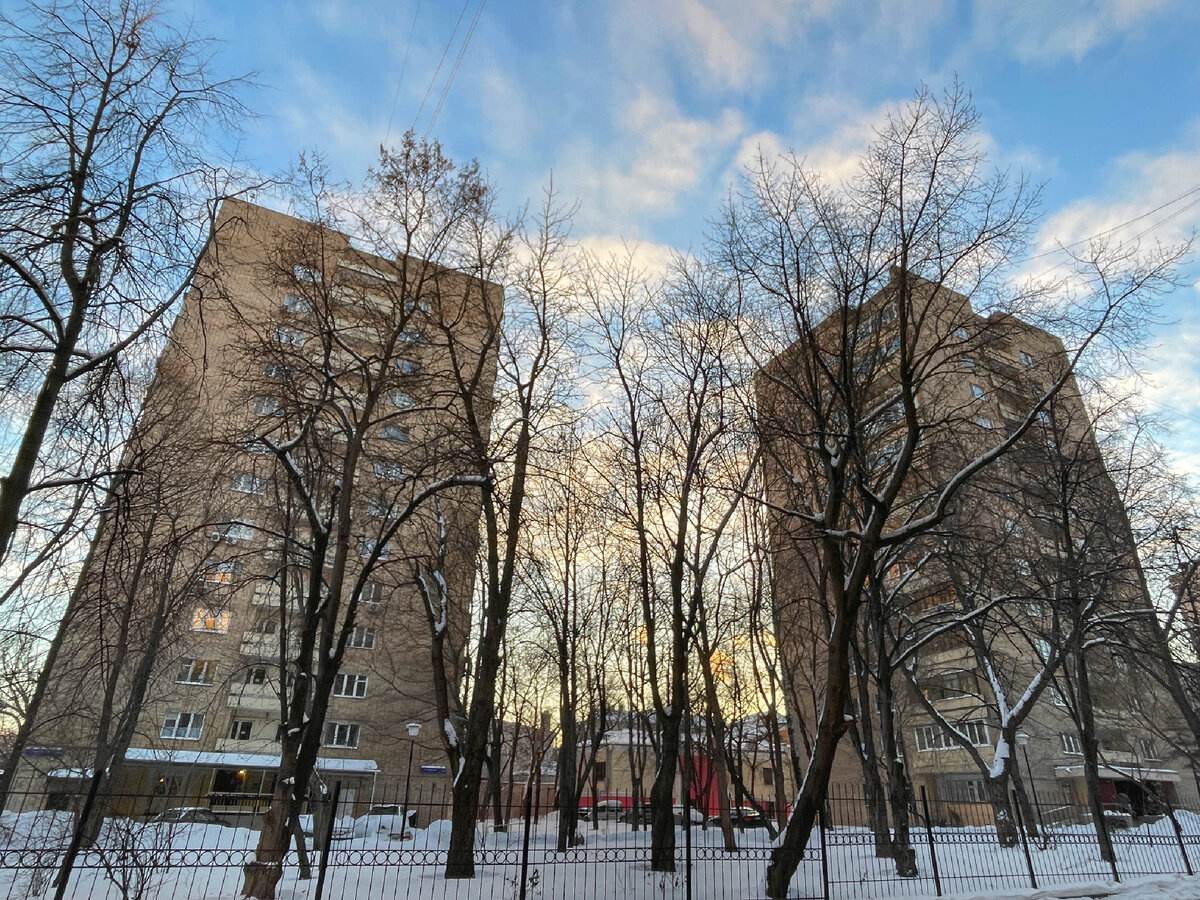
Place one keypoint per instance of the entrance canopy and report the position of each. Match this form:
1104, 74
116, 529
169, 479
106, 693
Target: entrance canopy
1119, 773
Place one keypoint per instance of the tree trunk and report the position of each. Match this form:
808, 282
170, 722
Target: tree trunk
1091, 756
898, 787
662, 791
568, 793
1006, 827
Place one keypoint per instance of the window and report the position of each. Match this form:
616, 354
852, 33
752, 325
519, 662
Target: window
255, 445
411, 338
379, 507
393, 432
985, 422
1149, 748
978, 392
245, 483
1035, 608
932, 737
768, 776
306, 273
961, 333
266, 626
421, 306
372, 594
267, 406
1042, 646
407, 367
341, 734
388, 470
1055, 696
349, 685
1022, 567
887, 314
1043, 417
182, 726
216, 572
215, 621
196, 671
292, 337
1014, 528
368, 547
362, 638
297, 304
600, 770
278, 371
256, 675
1026, 358
400, 399
233, 531
241, 729
968, 363
977, 732
1070, 744
1120, 663
950, 685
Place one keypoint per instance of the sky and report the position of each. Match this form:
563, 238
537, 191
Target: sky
645, 111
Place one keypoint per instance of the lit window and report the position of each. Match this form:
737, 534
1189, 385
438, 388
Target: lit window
249, 484
268, 406
292, 337
182, 726
297, 304
362, 638
241, 729
393, 432
345, 685
196, 671
222, 572
341, 734
1026, 358
215, 621
1070, 744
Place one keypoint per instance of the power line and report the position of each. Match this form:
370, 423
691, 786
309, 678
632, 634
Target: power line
454, 70
403, 68
445, 50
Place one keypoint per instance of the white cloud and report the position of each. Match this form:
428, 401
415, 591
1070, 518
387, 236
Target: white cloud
1038, 31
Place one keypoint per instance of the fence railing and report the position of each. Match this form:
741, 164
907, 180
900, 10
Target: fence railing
150, 846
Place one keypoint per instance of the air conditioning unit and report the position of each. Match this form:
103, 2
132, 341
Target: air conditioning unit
216, 537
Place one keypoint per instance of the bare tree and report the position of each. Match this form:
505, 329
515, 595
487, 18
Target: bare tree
849, 411
109, 118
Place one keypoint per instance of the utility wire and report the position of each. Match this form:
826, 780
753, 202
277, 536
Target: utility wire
446, 50
454, 70
403, 68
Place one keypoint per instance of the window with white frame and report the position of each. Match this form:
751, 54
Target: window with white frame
961, 333
399, 399
347, 685
968, 363
182, 726
392, 432
407, 367
241, 729
985, 422
362, 638
388, 470
372, 594
931, 737
297, 304
278, 371
245, 483
1022, 566
196, 671
306, 273
368, 547
1149, 748
978, 392
267, 406
222, 572
421, 306
214, 621
234, 531
977, 732
1035, 608
254, 444
291, 337
1042, 646
1026, 358
341, 734
1070, 744
1055, 696
411, 338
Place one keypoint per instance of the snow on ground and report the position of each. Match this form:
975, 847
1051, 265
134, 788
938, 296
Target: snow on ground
203, 862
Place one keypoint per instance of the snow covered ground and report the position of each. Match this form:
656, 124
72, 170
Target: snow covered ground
203, 862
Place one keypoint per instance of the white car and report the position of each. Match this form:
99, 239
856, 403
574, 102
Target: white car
383, 820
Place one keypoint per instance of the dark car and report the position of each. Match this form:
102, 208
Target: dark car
191, 815
642, 815
743, 817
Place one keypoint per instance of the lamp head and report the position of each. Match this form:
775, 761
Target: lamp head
414, 728
1022, 738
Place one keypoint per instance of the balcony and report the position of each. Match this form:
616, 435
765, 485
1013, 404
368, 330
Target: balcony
265, 747
256, 698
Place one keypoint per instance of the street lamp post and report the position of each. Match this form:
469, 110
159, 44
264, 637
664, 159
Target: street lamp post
414, 728
1023, 741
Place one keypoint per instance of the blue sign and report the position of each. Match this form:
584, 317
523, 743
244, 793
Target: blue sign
433, 770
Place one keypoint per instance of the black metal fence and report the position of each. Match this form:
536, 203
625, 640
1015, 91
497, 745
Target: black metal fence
145, 848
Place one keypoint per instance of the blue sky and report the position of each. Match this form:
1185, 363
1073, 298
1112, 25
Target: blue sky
645, 111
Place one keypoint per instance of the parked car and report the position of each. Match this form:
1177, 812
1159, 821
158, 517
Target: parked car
743, 817
343, 828
1118, 815
604, 810
194, 815
384, 819
643, 815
